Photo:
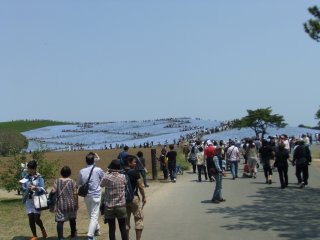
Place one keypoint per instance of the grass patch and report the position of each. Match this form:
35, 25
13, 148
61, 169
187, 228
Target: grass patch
315, 151
26, 125
181, 161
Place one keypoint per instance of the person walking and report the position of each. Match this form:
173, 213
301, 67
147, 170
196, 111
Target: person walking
266, 154
172, 163
33, 184
251, 153
115, 202
93, 198
201, 164
134, 207
281, 163
141, 166
122, 155
66, 205
302, 159
233, 157
209, 153
192, 157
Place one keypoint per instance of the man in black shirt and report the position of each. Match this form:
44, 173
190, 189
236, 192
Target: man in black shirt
134, 207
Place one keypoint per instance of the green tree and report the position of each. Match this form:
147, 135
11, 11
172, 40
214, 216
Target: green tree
9, 178
317, 116
11, 142
260, 120
312, 26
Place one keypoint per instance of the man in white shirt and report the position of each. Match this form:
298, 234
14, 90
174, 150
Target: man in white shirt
233, 157
93, 197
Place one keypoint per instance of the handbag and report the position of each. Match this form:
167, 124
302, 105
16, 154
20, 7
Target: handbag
53, 198
83, 189
41, 201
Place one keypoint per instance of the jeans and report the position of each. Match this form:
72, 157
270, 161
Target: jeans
172, 172
217, 190
234, 168
143, 175
93, 207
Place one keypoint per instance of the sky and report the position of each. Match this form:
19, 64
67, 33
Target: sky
145, 59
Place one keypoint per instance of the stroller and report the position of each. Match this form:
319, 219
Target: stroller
246, 172
179, 170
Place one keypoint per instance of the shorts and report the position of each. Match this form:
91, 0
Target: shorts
118, 212
134, 208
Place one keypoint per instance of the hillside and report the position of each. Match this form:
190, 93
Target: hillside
87, 136
27, 125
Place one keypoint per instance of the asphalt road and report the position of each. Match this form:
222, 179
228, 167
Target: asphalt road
253, 210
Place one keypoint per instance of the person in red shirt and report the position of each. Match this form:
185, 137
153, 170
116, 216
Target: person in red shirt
209, 153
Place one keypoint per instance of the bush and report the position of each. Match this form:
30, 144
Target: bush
181, 160
10, 177
11, 142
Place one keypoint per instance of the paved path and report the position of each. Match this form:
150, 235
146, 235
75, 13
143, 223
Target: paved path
253, 210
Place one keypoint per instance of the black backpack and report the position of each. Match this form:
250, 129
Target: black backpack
129, 191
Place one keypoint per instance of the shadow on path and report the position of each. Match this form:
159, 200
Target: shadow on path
293, 213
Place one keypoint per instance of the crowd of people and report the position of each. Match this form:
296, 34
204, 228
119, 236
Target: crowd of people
208, 158
126, 174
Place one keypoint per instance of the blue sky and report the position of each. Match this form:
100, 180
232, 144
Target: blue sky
136, 60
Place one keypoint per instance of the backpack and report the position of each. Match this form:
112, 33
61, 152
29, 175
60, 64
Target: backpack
129, 191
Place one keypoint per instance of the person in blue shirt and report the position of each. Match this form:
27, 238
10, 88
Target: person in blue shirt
33, 184
93, 198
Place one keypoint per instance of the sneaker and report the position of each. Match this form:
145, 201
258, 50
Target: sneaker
215, 201
270, 181
44, 233
302, 185
222, 200
97, 232
146, 186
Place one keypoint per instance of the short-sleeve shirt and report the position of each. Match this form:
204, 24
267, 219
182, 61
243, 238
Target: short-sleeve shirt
134, 176
94, 182
172, 158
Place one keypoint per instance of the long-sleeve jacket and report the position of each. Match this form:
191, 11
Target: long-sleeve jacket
37, 181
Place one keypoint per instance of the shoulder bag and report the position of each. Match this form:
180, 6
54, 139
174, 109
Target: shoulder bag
83, 189
40, 201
